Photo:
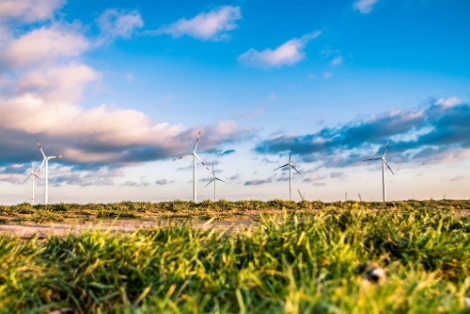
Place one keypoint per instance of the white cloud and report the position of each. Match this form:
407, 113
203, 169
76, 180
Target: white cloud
288, 53
115, 23
337, 61
44, 45
365, 6
43, 83
448, 102
61, 83
212, 25
29, 10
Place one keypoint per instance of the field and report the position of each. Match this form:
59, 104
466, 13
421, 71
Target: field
306, 257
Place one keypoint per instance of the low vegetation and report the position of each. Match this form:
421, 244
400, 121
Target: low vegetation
221, 209
309, 261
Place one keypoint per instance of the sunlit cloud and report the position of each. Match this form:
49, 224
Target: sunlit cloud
212, 25
289, 53
29, 10
41, 96
43, 46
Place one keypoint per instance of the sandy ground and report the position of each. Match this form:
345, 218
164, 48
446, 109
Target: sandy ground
28, 230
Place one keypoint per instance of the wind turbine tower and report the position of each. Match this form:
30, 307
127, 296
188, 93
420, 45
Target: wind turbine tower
195, 156
45, 161
32, 175
384, 163
214, 178
291, 166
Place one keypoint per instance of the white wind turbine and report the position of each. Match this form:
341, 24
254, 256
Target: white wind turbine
214, 178
384, 163
291, 166
32, 175
195, 156
46, 162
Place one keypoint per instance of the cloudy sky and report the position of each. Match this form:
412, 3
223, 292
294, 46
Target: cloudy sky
120, 88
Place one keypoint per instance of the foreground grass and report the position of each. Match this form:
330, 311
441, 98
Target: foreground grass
293, 263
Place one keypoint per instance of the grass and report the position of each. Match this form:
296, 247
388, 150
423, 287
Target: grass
207, 209
305, 262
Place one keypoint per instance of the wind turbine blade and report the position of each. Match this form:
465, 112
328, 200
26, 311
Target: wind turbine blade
37, 176
296, 170
389, 167
40, 148
42, 165
213, 174
290, 155
197, 157
185, 156
372, 159
209, 183
220, 180
301, 196
386, 148
27, 178
281, 167
197, 141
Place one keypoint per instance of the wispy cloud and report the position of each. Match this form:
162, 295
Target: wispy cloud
219, 152
289, 53
119, 23
213, 25
258, 181
234, 177
29, 10
102, 176
365, 6
135, 184
337, 61
338, 175
457, 178
437, 133
162, 182
313, 178
11, 178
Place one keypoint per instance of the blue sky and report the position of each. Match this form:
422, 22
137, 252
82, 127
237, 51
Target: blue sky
121, 88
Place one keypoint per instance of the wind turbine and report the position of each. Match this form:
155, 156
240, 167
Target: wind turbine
384, 162
33, 175
195, 156
291, 166
46, 162
214, 178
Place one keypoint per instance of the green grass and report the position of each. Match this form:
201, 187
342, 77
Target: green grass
207, 209
291, 263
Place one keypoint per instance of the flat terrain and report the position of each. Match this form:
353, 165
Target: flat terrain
26, 221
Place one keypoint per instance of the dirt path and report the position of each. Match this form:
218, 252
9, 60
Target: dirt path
28, 230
